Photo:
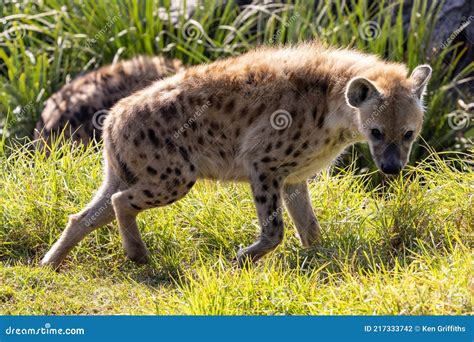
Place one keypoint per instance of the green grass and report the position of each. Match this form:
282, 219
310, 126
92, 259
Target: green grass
402, 249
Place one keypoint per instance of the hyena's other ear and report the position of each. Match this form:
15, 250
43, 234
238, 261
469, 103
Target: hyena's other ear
360, 90
420, 77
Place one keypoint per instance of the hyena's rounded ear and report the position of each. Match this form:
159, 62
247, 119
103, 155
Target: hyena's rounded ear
420, 77
359, 90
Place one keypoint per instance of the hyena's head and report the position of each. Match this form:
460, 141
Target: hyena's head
390, 114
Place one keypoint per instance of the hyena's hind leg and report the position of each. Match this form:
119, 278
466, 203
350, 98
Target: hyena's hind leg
172, 185
97, 213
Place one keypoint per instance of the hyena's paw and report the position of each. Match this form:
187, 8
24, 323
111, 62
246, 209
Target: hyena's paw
139, 254
313, 241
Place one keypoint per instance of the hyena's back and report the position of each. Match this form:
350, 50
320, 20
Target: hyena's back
71, 110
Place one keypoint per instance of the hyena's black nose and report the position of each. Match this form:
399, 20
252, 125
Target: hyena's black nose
391, 168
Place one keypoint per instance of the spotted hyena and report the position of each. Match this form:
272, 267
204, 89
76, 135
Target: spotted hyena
274, 117
79, 108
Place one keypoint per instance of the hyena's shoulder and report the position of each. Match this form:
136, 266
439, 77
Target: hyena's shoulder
94, 93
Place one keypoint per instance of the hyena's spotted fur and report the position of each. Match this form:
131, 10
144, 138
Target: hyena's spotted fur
332, 97
72, 108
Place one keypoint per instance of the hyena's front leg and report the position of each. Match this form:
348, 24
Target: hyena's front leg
298, 203
267, 197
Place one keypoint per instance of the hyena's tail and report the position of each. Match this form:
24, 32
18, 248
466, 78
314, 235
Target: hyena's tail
78, 109
112, 157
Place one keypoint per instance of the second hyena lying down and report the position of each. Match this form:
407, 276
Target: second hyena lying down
159, 141
79, 108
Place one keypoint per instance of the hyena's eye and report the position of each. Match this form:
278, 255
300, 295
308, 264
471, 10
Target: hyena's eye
408, 135
376, 134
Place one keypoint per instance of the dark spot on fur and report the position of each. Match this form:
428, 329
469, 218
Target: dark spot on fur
148, 193
163, 176
184, 153
229, 106
190, 184
151, 171
321, 121
135, 206
296, 136
153, 138
289, 150
169, 111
